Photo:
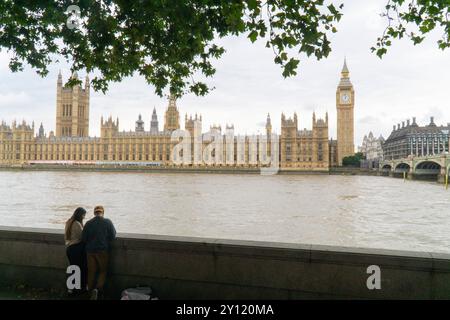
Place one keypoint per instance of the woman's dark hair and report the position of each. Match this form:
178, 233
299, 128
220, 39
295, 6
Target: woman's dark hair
77, 216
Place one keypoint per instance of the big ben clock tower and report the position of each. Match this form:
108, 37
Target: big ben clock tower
345, 102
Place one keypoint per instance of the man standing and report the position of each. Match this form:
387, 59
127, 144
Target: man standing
98, 234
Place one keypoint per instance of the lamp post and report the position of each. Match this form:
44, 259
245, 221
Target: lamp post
446, 177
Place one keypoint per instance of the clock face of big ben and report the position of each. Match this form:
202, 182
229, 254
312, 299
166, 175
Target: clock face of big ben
345, 98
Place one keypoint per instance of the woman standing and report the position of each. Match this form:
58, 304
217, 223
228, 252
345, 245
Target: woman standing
75, 251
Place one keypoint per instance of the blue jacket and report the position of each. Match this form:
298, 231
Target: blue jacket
98, 233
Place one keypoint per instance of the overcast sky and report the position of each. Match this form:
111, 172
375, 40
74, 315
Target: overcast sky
409, 81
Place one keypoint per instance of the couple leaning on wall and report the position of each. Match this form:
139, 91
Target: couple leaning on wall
88, 248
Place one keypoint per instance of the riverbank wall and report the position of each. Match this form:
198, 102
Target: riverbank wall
142, 169
200, 268
353, 171
164, 169
157, 169
342, 171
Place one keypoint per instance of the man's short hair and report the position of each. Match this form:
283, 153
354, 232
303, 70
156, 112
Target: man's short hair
99, 210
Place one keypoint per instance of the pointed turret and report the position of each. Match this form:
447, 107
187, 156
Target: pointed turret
345, 73
87, 83
41, 131
345, 76
268, 125
59, 79
172, 116
109, 128
154, 123
172, 101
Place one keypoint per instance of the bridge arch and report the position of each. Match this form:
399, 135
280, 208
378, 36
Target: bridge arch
428, 165
427, 169
402, 167
386, 167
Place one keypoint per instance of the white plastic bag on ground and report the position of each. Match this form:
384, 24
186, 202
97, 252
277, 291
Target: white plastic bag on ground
139, 293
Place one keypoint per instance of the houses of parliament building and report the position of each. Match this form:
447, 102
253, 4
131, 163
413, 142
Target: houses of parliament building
303, 150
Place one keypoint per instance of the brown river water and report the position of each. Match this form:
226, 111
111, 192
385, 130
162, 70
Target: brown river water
356, 211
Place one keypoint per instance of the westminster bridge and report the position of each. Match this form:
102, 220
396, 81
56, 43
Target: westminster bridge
432, 166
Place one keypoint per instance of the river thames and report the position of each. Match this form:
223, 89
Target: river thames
356, 211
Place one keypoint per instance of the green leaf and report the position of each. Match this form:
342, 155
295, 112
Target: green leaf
381, 52
253, 36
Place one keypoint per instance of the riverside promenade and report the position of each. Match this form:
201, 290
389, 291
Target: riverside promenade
201, 268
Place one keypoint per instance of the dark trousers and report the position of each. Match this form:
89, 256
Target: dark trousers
77, 256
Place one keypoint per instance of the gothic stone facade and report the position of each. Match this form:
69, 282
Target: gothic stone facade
371, 147
345, 102
72, 109
304, 149
298, 149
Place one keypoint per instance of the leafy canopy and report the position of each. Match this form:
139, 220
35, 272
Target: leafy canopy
414, 19
172, 42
